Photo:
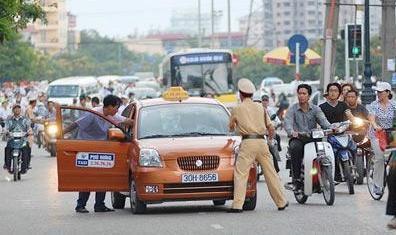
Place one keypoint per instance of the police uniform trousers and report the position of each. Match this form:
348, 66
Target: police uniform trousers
251, 150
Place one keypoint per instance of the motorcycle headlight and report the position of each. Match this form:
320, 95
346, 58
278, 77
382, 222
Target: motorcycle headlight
358, 122
317, 134
15, 153
149, 158
52, 129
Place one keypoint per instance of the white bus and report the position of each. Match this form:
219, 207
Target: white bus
65, 90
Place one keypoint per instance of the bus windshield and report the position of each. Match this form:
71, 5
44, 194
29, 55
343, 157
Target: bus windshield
209, 78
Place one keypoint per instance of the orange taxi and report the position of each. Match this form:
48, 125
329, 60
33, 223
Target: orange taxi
179, 148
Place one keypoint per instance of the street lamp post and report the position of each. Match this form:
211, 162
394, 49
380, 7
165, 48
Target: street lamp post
368, 94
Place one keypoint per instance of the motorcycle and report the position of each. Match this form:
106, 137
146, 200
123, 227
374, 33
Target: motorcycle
317, 169
50, 132
17, 142
344, 148
39, 132
362, 154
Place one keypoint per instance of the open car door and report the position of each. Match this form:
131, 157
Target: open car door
86, 163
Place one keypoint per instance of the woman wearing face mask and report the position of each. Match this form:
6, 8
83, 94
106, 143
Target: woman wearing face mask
381, 114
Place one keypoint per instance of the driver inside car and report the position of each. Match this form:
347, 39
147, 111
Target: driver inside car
302, 117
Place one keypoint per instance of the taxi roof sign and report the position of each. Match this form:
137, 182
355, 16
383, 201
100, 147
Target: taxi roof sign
175, 94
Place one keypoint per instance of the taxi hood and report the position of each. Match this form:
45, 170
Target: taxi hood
172, 148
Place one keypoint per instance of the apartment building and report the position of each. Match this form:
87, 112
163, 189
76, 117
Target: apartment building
51, 37
278, 20
272, 25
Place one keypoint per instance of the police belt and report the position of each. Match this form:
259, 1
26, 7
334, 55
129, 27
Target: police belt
254, 136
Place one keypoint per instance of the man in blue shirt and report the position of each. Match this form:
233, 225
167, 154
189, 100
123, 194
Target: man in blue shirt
93, 127
302, 117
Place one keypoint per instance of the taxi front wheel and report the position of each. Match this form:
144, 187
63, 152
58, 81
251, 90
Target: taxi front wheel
118, 200
137, 206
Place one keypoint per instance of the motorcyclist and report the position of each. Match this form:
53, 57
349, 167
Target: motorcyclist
17, 122
357, 110
335, 111
302, 117
265, 101
51, 111
4, 113
283, 104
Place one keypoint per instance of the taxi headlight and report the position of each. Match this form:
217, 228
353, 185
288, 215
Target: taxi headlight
52, 129
149, 158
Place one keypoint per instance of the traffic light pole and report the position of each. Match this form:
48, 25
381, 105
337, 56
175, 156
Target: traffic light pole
368, 94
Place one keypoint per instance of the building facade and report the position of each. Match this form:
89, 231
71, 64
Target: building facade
278, 20
273, 24
52, 36
186, 22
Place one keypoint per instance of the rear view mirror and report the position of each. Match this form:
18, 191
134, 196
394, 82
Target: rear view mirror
115, 134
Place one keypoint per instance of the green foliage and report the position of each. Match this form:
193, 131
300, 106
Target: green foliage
19, 61
15, 14
99, 55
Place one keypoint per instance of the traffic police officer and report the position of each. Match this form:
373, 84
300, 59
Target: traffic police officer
248, 120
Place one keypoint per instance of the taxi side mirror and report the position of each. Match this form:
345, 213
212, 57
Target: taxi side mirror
115, 134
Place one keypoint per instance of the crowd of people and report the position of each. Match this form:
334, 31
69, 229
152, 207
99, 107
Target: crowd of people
25, 107
342, 104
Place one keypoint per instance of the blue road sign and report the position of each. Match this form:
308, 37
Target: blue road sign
293, 59
298, 38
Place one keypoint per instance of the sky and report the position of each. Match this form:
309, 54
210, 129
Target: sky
119, 18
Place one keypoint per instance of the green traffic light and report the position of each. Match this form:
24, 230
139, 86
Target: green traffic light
355, 50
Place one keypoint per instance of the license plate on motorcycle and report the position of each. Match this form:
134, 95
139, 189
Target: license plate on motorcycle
199, 178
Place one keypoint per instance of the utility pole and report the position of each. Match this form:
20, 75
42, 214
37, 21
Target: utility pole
388, 37
199, 25
212, 21
368, 94
263, 23
248, 23
229, 24
330, 36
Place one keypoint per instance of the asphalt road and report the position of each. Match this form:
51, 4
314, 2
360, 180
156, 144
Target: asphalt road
34, 206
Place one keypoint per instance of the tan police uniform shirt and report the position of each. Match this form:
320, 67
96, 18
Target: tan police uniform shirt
248, 118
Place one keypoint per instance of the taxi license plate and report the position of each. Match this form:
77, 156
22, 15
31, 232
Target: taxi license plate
198, 178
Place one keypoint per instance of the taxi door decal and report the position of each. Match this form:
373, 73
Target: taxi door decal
86, 164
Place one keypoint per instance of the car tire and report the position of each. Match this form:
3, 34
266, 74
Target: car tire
137, 206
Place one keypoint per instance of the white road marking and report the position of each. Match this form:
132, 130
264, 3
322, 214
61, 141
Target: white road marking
216, 226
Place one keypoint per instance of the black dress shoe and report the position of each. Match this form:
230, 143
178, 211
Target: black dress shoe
103, 209
81, 210
233, 210
282, 208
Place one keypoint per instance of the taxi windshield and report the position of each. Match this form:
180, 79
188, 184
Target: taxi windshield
180, 120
